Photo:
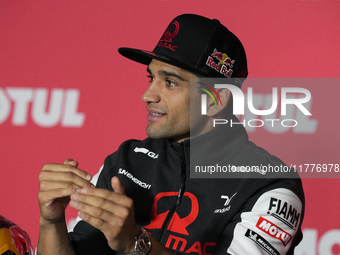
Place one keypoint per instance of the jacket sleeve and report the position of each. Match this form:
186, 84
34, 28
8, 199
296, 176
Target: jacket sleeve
269, 224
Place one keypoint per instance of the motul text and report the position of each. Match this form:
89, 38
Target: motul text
62, 105
274, 231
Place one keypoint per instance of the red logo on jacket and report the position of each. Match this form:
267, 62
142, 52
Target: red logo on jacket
177, 224
273, 230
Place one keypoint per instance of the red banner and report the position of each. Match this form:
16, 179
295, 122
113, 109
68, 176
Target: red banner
65, 92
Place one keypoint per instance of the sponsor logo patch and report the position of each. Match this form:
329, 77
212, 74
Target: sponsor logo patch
224, 64
260, 241
176, 224
147, 152
134, 179
226, 204
284, 212
274, 231
169, 34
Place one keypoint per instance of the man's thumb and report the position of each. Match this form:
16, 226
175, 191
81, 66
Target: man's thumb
117, 186
71, 162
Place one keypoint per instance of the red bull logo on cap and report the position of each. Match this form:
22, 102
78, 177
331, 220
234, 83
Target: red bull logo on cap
224, 64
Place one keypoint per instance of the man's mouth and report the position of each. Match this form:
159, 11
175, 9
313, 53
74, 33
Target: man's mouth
154, 115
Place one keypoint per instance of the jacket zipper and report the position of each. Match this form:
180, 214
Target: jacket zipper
183, 175
179, 196
181, 188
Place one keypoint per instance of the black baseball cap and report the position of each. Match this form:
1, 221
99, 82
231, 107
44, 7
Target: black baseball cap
199, 45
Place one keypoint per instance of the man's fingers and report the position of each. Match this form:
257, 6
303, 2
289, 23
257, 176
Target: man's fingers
104, 226
49, 185
67, 168
117, 186
71, 162
108, 195
68, 177
96, 206
93, 211
47, 197
106, 221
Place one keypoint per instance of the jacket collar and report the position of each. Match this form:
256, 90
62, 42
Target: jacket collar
223, 140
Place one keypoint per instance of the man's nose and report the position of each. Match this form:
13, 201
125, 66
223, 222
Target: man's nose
151, 94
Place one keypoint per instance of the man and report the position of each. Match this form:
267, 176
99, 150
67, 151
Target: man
144, 201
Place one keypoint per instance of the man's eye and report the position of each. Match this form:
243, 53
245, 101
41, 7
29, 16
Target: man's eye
171, 83
151, 78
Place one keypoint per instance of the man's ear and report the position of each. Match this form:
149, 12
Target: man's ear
215, 109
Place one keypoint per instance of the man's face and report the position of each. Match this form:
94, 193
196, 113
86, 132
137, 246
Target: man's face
168, 101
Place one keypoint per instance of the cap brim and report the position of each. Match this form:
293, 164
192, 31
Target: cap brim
145, 57
141, 56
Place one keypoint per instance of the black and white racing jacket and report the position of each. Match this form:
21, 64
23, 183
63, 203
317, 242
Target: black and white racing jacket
202, 215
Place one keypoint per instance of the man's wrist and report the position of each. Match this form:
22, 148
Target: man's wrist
45, 223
